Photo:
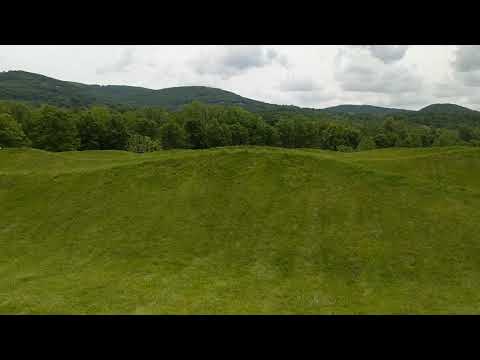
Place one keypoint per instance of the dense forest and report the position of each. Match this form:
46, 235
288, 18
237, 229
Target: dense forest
200, 126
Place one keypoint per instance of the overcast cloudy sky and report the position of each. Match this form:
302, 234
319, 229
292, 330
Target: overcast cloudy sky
314, 76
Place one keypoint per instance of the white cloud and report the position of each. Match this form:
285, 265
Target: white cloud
467, 58
388, 53
228, 61
299, 85
470, 78
466, 65
126, 59
313, 99
356, 70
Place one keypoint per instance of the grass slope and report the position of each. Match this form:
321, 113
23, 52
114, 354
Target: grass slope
240, 230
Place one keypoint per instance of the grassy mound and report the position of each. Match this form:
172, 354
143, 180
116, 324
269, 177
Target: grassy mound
240, 230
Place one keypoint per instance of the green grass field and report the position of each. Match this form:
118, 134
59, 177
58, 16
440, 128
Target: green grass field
240, 231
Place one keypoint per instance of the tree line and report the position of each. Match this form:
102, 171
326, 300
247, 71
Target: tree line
200, 126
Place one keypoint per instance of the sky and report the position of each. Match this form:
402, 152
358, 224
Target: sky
404, 76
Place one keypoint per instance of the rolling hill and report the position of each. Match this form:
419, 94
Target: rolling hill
24, 86
240, 230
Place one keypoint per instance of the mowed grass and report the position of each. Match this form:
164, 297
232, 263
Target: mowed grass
240, 231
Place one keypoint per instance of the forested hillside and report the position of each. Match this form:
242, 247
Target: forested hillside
24, 86
200, 126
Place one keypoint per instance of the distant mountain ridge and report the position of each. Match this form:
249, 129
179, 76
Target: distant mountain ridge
446, 109
24, 86
36, 88
363, 109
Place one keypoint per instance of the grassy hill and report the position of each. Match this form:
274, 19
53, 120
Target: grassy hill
240, 230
